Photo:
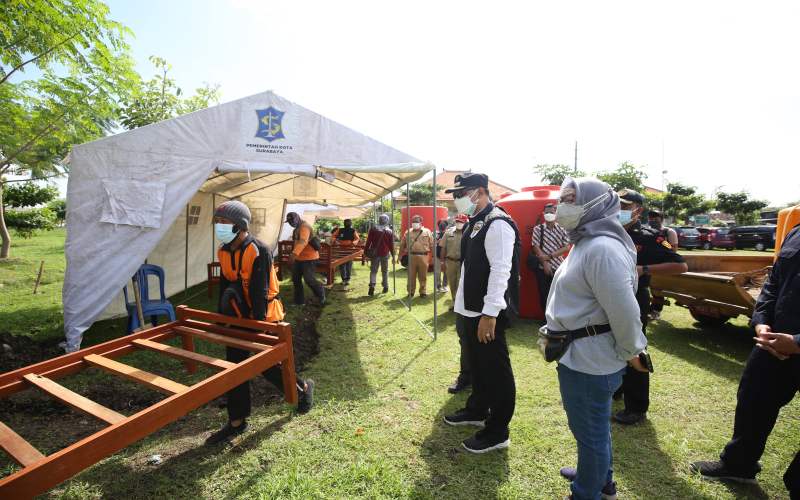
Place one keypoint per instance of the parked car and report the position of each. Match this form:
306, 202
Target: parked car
716, 237
758, 237
688, 237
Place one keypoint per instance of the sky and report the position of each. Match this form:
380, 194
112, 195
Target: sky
708, 91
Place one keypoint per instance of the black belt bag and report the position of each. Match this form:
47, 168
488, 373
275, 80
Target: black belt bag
553, 344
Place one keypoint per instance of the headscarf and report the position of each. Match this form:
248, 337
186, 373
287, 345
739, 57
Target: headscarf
383, 221
601, 219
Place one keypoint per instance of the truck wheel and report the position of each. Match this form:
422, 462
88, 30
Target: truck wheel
761, 247
705, 320
706, 246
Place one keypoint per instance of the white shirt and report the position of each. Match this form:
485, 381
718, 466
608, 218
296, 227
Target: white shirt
499, 246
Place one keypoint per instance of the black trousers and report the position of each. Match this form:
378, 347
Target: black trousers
493, 390
636, 384
767, 385
306, 270
465, 369
238, 398
543, 282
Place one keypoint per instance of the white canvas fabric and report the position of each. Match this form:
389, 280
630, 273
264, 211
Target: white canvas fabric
127, 194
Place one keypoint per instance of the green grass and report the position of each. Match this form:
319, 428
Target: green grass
376, 430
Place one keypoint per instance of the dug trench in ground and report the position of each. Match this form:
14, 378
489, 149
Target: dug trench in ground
51, 426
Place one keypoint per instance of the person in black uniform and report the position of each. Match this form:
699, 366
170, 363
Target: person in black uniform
486, 300
771, 376
654, 255
655, 220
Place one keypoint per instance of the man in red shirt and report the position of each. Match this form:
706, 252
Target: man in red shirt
380, 245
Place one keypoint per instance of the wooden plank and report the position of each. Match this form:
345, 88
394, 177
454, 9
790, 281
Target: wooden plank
54, 469
74, 399
247, 345
184, 312
233, 332
183, 354
20, 450
12, 382
157, 382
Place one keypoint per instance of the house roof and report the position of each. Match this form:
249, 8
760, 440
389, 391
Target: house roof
447, 178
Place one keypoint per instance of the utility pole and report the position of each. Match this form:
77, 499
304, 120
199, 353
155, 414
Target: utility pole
575, 165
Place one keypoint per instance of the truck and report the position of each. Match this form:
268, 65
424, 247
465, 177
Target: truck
720, 287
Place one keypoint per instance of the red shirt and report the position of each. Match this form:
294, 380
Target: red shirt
381, 241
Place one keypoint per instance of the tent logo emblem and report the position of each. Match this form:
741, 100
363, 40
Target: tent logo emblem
269, 124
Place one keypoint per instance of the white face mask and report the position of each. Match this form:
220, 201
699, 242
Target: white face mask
550, 217
465, 205
416, 225
459, 225
569, 214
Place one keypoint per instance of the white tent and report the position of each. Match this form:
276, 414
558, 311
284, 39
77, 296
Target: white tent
150, 193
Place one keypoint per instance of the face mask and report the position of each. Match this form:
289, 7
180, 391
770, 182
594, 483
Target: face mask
569, 214
415, 225
625, 216
655, 224
459, 225
465, 205
224, 232
550, 217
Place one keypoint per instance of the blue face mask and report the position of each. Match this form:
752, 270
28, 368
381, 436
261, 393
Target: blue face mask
224, 232
625, 216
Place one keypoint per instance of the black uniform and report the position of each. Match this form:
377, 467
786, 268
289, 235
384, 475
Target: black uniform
651, 248
768, 383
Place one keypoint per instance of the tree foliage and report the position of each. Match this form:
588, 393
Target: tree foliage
85, 70
26, 223
682, 201
627, 175
740, 205
554, 175
28, 194
421, 194
160, 98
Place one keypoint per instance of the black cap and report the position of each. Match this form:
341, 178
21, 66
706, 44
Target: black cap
653, 212
627, 196
291, 215
467, 181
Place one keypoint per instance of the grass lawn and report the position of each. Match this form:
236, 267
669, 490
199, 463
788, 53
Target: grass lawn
376, 430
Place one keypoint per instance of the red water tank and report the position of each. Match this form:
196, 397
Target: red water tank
428, 220
526, 208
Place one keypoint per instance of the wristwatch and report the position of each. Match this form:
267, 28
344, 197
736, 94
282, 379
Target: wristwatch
645, 270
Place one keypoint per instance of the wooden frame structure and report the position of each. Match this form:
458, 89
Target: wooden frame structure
271, 344
330, 257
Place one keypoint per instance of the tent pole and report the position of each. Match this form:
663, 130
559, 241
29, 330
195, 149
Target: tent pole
408, 241
394, 270
213, 233
435, 260
186, 255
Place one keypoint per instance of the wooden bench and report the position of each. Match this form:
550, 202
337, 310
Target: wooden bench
271, 344
330, 257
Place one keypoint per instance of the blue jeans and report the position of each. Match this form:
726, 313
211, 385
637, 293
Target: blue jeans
587, 401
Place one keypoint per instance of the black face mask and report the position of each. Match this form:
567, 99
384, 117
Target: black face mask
655, 224
294, 222
348, 226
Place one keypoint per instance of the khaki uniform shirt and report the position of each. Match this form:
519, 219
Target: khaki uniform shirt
452, 243
423, 243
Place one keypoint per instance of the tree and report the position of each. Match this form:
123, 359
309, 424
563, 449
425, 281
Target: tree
682, 201
85, 70
740, 205
28, 196
421, 194
160, 99
627, 175
554, 174
59, 209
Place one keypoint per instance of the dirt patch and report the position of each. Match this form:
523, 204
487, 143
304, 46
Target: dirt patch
17, 351
305, 337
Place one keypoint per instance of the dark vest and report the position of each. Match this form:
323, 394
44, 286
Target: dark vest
476, 264
346, 234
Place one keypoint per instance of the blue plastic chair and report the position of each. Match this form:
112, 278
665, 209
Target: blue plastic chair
150, 307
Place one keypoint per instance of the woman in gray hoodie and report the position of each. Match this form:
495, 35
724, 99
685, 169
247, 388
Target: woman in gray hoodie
593, 295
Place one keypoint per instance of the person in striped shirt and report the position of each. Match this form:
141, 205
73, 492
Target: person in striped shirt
550, 243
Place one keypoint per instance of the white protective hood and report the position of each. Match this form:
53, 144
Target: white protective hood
150, 193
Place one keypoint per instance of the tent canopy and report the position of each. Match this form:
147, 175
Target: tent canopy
150, 193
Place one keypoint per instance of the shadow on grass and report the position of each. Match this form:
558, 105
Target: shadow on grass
453, 470
180, 475
722, 351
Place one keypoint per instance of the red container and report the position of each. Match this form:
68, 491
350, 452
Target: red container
526, 208
428, 220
